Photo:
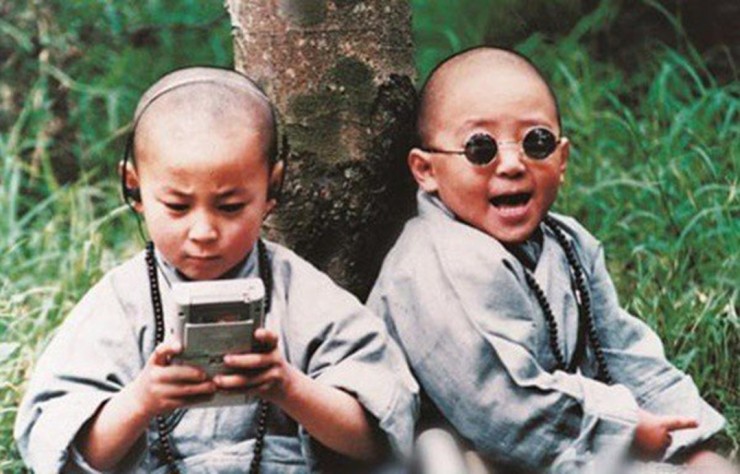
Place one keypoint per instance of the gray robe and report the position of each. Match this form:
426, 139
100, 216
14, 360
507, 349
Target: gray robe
477, 342
106, 340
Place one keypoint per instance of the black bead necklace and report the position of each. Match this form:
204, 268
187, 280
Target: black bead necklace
583, 299
265, 272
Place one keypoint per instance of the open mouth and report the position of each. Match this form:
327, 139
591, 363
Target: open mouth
511, 200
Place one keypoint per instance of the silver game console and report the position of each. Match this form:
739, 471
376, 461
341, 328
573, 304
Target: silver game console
215, 318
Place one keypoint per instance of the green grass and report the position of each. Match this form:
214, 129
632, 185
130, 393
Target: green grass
653, 171
654, 174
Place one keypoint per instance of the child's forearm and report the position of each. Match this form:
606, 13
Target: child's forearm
159, 388
333, 417
113, 431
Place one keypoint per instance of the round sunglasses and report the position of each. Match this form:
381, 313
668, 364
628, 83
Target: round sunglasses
482, 148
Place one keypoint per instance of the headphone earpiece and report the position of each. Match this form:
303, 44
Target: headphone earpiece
133, 193
273, 193
129, 194
275, 189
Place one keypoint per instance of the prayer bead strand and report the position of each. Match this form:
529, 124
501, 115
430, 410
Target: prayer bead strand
583, 299
265, 272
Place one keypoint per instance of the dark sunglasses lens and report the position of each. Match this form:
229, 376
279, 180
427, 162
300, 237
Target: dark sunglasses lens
480, 149
539, 143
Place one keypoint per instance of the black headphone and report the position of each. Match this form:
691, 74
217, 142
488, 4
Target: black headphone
278, 152
130, 195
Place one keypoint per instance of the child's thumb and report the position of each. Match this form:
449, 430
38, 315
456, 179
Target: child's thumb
164, 351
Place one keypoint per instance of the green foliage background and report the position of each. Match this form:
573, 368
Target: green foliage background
653, 171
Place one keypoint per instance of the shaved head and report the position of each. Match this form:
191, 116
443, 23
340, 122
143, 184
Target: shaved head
205, 101
452, 72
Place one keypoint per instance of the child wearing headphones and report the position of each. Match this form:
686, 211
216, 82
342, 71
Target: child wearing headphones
329, 390
506, 311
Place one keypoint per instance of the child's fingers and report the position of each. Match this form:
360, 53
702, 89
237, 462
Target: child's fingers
250, 361
232, 381
164, 351
266, 377
243, 381
174, 374
267, 339
186, 391
173, 397
673, 423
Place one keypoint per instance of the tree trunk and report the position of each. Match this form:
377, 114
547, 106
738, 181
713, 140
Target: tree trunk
340, 73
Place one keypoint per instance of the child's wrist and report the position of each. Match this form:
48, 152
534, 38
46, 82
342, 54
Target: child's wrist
290, 386
134, 402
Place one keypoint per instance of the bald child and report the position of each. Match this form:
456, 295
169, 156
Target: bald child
329, 391
505, 310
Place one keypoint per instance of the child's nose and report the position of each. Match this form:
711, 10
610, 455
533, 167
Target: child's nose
509, 161
203, 229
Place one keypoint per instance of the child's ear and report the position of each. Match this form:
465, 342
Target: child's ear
421, 167
275, 184
564, 154
131, 183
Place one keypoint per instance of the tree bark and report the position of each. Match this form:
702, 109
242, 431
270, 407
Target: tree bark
340, 74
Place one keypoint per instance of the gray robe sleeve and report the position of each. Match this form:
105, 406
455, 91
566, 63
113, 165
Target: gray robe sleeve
338, 342
636, 359
465, 323
92, 356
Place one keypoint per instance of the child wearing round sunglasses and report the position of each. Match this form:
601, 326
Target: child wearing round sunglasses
328, 391
505, 310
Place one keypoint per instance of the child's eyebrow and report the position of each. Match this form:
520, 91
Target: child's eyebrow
219, 195
230, 192
175, 192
